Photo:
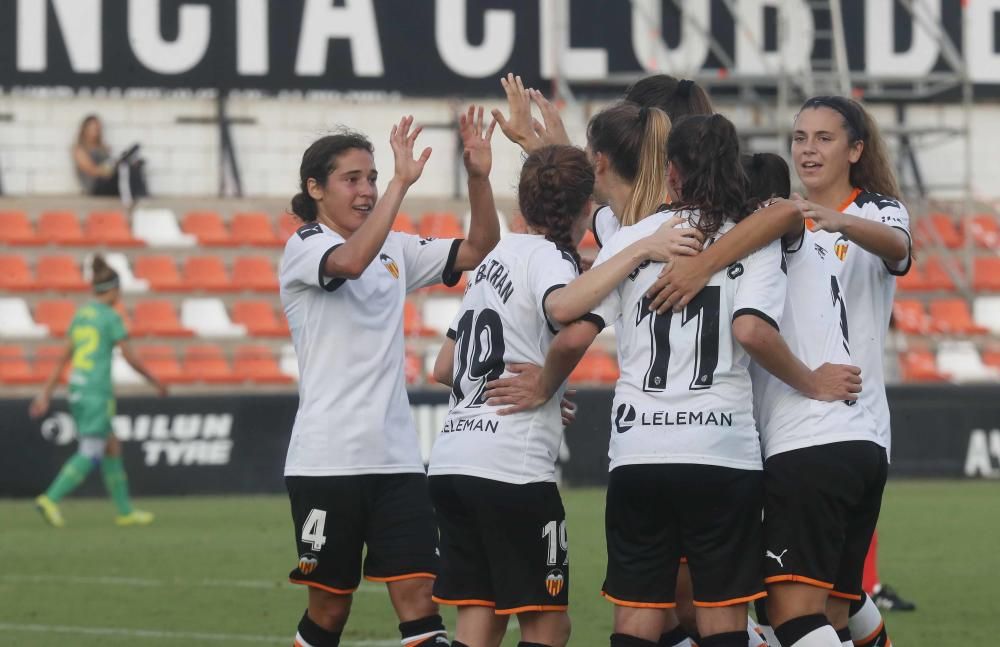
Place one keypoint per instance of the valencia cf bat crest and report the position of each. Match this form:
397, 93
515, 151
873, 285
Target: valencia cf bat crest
308, 563
390, 265
840, 248
554, 582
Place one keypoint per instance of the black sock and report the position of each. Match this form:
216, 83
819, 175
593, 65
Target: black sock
760, 609
728, 639
844, 635
315, 635
424, 632
455, 643
672, 637
793, 630
624, 640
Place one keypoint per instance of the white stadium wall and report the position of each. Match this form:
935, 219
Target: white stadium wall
183, 158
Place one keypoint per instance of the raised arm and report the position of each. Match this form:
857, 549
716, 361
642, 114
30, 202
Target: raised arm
683, 278
484, 228
350, 259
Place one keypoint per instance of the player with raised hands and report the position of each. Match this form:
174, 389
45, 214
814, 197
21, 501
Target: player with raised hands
354, 472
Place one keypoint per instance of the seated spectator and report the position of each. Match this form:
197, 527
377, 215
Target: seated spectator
99, 174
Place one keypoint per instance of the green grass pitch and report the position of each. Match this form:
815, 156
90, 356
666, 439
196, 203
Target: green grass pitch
211, 571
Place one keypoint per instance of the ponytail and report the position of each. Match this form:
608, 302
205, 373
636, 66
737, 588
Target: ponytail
634, 139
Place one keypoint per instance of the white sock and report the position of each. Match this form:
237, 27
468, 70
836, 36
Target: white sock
768, 633
825, 636
754, 632
866, 623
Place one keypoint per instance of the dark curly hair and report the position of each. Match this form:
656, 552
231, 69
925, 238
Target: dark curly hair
556, 183
768, 175
706, 151
319, 160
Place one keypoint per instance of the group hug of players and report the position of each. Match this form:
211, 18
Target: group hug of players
749, 326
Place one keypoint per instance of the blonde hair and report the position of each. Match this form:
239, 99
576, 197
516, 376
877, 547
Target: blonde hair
634, 139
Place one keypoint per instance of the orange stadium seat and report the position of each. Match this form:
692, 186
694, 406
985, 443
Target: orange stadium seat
937, 275
984, 230
206, 363
61, 228
208, 228
61, 273
953, 316
15, 275
258, 364
596, 366
161, 273
589, 241
913, 280
46, 359
939, 227
157, 318
918, 366
161, 360
259, 318
57, 314
254, 228
404, 224
110, 228
255, 273
413, 368
413, 323
991, 357
440, 225
911, 317
14, 367
986, 273
16, 229
288, 224
207, 273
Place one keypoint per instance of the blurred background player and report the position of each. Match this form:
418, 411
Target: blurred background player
95, 331
354, 472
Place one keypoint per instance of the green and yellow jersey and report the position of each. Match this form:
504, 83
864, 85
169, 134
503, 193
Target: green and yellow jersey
95, 330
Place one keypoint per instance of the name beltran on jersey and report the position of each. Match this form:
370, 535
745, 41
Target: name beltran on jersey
498, 277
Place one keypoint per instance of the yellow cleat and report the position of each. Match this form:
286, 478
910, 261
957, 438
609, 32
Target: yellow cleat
50, 511
135, 518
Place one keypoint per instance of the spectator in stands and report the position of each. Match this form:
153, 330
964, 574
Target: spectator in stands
93, 334
101, 175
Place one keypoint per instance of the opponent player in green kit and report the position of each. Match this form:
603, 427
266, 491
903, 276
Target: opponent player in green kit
94, 332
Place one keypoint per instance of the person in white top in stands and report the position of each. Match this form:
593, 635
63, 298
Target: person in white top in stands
854, 209
353, 470
683, 438
504, 546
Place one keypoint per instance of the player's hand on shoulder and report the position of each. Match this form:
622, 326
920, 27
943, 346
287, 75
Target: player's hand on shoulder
520, 126
521, 391
402, 141
477, 153
668, 241
679, 282
833, 382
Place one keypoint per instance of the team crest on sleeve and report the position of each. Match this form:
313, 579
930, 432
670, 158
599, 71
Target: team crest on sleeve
390, 265
840, 248
308, 563
554, 582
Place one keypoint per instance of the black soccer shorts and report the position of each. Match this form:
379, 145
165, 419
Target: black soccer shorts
503, 545
656, 514
821, 505
335, 517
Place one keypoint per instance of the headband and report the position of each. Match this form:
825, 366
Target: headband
832, 105
106, 286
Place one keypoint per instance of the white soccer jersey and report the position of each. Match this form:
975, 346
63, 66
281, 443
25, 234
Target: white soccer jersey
354, 415
870, 285
814, 326
502, 321
604, 224
684, 394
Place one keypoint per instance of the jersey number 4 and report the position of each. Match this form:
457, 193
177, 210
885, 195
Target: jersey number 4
484, 338
313, 529
704, 309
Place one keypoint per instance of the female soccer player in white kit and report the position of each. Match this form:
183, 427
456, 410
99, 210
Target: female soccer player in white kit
504, 540
841, 160
354, 472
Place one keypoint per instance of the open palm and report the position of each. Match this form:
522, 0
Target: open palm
477, 153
